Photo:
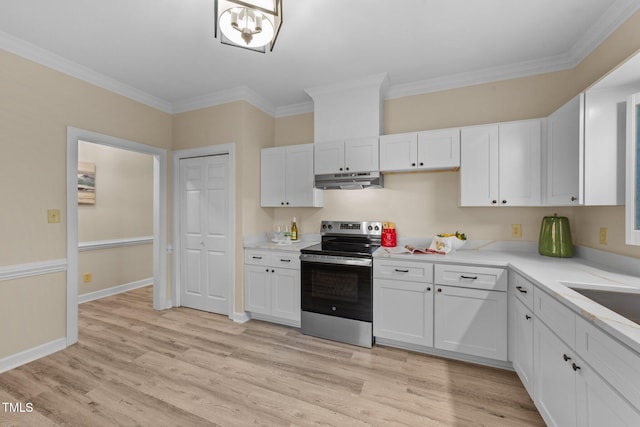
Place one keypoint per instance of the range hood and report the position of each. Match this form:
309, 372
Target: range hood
349, 181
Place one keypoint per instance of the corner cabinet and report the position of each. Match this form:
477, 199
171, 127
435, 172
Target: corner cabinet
420, 151
355, 155
286, 177
272, 286
500, 164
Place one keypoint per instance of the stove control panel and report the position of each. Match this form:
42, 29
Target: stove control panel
367, 228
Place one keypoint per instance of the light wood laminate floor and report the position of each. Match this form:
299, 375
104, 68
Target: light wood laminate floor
181, 367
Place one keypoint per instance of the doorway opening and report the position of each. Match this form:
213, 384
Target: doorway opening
74, 136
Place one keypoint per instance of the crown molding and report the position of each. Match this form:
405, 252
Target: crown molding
294, 109
380, 81
239, 93
56, 62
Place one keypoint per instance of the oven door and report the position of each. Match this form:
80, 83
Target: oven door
337, 286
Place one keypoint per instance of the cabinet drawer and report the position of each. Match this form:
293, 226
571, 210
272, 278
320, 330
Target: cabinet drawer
403, 270
252, 257
286, 260
493, 279
558, 318
522, 289
617, 364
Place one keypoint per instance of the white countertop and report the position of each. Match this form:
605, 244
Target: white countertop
552, 275
261, 241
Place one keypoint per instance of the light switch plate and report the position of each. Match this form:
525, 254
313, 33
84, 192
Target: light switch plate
53, 215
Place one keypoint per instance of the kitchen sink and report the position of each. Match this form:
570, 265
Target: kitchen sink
626, 304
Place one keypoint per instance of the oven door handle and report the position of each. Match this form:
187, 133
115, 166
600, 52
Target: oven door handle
327, 259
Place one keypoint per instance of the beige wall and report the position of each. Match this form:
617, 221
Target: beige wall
36, 106
250, 130
123, 209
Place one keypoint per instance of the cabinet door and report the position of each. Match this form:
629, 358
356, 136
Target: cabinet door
403, 311
257, 289
598, 404
272, 177
471, 321
361, 155
328, 157
522, 358
519, 163
439, 149
285, 289
398, 152
479, 165
299, 176
565, 134
554, 378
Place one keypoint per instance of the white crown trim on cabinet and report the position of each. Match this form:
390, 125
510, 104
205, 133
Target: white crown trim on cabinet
18, 271
114, 243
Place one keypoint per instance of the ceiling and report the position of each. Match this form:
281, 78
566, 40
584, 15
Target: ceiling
162, 52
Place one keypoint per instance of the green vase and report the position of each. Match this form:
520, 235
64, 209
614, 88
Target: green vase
555, 237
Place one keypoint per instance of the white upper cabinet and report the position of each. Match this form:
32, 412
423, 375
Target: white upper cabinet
500, 164
286, 177
355, 155
565, 141
585, 149
428, 150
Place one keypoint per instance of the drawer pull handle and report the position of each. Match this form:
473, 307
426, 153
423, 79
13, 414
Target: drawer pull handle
469, 277
401, 271
519, 288
575, 367
285, 260
565, 357
256, 257
526, 316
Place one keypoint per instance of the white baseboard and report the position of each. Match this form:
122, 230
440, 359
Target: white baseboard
114, 290
240, 317
32, 354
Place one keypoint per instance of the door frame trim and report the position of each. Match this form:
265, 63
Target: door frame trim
74, 135
212, 150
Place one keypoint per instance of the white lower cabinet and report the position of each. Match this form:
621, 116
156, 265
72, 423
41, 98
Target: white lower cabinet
522, 342
272, 286
403, 311
403, 301
568, 391
471, 321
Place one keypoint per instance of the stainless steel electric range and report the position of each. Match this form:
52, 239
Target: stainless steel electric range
337, 282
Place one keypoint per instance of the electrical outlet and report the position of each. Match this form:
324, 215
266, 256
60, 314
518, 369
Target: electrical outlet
516, 230
603, 235
86, 277
53, 215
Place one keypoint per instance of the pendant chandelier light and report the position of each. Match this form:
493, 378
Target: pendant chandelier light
250, 24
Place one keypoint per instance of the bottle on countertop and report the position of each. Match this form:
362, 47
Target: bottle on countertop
294, 229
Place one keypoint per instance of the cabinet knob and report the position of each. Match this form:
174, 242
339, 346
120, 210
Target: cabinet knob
413, 164
340, 168
526, 316
287, 203
267, 270
273, 271
282, 203
439, 289
573, 198
428, 288
575, 367
504, 202
421, 163
347, 168
493, 202
565, 357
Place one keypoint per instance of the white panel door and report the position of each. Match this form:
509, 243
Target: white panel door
204, 228
299, 175
522, 345
285, 290
439, 149
328, 157
272, 177
398, 152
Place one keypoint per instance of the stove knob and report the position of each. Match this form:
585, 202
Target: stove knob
377, 228
330, 226
370, 228
324, 226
